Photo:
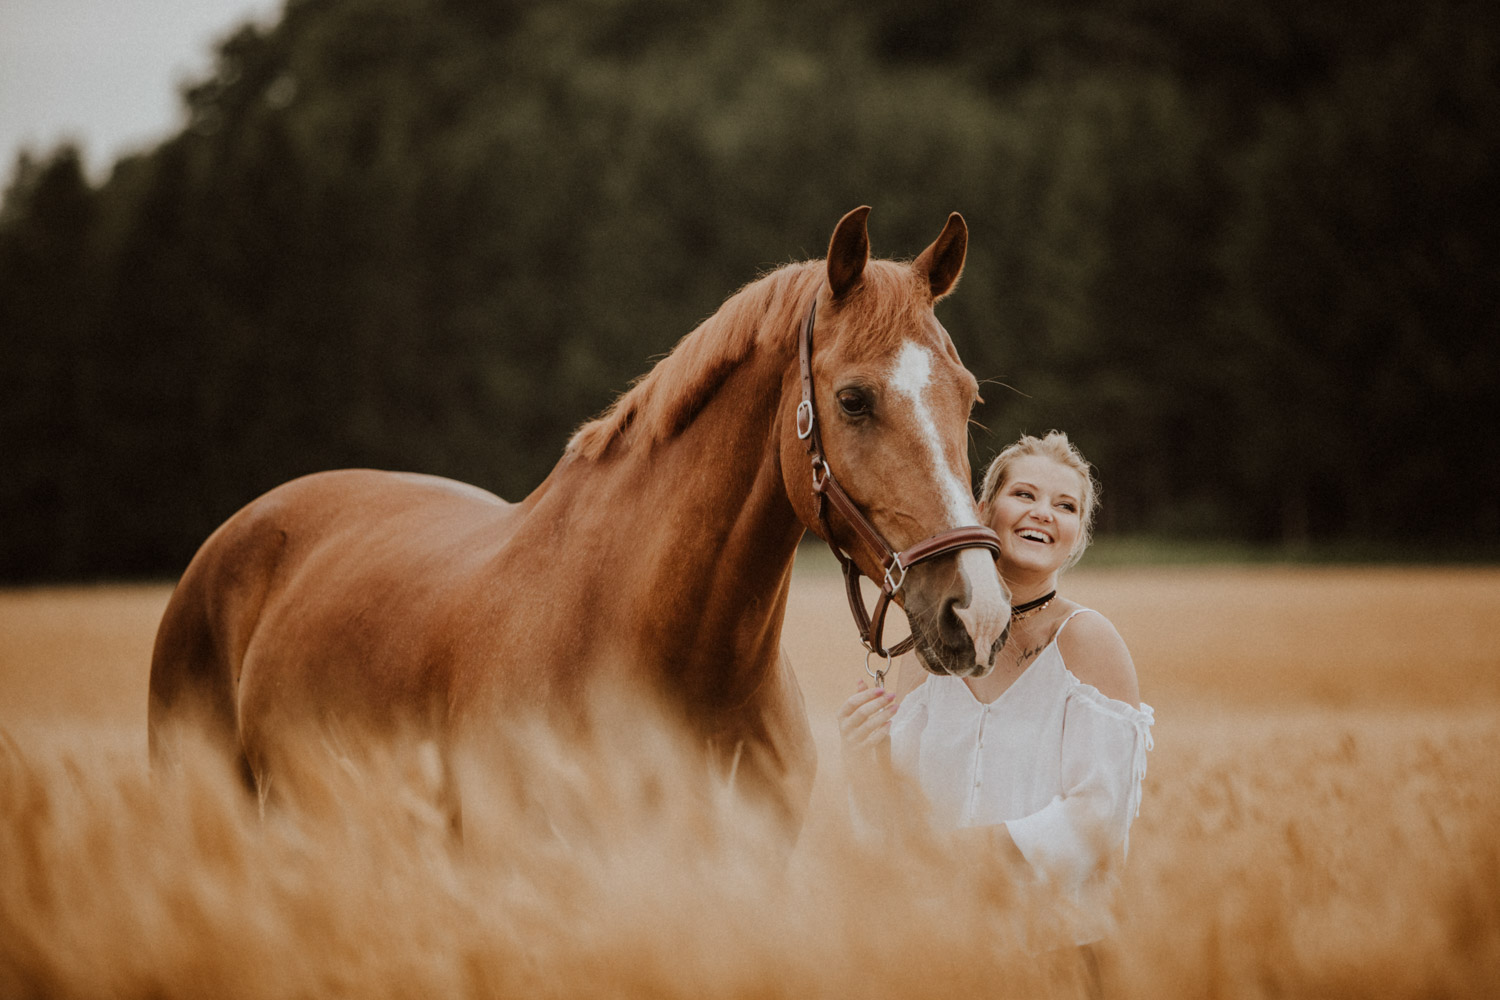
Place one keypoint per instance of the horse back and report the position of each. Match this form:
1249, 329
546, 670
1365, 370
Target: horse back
325, 596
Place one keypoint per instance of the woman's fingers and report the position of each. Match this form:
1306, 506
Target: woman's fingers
874, 728
861, 692
860, 705
865, 715
861, 697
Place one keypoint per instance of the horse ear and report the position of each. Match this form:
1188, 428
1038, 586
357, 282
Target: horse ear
848, 252
943, 262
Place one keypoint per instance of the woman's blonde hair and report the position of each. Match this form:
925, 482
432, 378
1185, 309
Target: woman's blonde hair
1056, 446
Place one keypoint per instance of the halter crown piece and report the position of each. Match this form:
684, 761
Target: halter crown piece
828, 492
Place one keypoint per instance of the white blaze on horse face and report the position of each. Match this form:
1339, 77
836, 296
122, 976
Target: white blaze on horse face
988, 610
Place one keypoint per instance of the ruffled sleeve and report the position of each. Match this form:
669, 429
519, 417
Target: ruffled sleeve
1104, 747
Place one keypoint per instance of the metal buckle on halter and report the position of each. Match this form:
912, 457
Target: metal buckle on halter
805, 408
890, 587
879, 675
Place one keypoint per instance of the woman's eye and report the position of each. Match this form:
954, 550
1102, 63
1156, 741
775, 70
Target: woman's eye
853, 403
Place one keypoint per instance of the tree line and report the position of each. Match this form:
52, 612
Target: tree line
1245, 253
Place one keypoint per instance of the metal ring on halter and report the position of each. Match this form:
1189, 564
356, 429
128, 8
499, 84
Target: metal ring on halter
818, 481
805, 408
892, 588
879, 675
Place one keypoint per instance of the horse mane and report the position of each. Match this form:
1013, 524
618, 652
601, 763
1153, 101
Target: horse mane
768, 311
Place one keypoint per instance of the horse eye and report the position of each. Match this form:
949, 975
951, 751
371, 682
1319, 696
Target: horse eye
854, 403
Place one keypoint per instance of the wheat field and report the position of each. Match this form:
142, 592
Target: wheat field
1319, 820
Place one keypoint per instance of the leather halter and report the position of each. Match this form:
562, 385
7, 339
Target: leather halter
895, 564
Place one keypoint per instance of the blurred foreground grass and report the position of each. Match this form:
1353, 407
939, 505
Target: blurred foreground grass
1318, 821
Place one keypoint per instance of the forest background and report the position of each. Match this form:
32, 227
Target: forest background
1247, 253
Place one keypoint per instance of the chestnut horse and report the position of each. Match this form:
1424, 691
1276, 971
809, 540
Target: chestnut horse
659, 549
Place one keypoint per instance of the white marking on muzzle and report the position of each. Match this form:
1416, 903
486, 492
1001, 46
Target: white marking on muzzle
988, 610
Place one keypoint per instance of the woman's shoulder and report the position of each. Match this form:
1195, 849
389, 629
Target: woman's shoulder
1093, 652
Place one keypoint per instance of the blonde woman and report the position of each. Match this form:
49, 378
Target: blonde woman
1041, 759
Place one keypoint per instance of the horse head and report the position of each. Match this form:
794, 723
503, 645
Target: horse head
892, 400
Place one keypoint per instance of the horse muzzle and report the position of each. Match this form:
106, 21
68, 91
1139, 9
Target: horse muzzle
959, 613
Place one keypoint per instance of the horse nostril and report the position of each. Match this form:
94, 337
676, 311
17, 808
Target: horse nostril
950, 627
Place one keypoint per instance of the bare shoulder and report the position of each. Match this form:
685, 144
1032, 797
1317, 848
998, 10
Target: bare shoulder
1095, 653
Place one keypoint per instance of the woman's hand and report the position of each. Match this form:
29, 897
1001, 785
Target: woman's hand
865, 745
865, 719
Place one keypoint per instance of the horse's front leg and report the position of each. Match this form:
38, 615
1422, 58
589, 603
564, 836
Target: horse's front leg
775, 761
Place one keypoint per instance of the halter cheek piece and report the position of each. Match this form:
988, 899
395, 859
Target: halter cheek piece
828, 492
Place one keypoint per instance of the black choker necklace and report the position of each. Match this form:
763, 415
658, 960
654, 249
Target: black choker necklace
1029, 606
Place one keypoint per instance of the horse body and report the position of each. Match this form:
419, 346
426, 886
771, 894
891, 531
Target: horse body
657, 552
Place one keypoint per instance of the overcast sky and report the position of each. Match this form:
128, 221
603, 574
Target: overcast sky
104, 72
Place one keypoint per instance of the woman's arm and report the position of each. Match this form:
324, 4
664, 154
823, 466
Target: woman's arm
865, 749
865, 743
1106, 734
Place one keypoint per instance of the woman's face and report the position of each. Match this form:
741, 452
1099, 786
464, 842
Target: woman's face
1037, 514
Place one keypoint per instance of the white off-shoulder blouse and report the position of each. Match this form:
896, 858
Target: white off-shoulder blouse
1057, 762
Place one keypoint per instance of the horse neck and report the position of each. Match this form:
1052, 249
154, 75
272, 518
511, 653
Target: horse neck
700, 536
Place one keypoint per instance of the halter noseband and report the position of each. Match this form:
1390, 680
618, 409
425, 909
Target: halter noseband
895, 564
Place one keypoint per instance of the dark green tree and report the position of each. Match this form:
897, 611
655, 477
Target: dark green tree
47, 416
1243, 253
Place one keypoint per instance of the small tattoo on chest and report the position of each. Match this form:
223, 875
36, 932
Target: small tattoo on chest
1027, 654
